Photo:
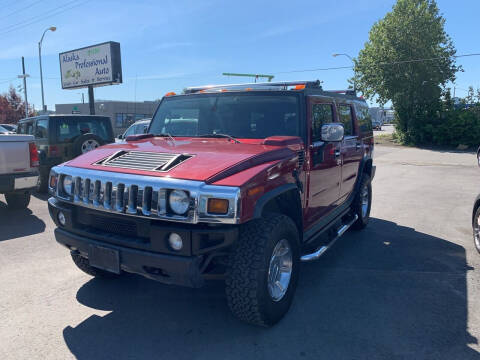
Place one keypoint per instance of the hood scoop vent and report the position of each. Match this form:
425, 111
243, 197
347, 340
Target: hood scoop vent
143, 160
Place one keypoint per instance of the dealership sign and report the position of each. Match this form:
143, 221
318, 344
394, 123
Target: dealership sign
96, 65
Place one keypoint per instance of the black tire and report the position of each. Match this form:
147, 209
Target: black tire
363, 218
42, 185
83, 264
246, 284
78, 143
476, 228
18, 200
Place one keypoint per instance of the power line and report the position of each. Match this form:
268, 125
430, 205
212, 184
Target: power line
61, 9
22, 9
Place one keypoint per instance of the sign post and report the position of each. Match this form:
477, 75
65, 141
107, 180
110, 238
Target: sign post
91, 100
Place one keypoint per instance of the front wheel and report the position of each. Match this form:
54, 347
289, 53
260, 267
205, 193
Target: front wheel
18, 200
363, 203
476, 229
263, 270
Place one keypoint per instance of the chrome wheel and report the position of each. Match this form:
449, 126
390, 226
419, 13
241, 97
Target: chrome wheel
89, 145
280, 270
476, 231
365, 198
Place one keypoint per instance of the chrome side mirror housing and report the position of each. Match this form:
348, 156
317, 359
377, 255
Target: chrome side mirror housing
333, 132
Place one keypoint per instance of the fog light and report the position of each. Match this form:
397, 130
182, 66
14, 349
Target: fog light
61, 218
175, 241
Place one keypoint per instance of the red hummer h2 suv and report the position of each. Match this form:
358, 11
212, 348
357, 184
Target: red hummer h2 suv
234, 182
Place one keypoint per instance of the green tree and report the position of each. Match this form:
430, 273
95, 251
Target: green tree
408, 60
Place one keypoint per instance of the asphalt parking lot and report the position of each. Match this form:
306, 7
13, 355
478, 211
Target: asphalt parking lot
408, 286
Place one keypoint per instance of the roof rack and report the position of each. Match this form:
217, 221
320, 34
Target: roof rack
346, 92
285, 85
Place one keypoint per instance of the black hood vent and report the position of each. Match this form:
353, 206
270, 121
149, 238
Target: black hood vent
143, 160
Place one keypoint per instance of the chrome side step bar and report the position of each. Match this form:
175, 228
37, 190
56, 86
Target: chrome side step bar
321, 250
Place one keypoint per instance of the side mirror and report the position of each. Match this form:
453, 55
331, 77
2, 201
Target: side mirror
332, 132
120, 137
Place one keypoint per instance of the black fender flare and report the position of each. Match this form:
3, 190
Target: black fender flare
265, 198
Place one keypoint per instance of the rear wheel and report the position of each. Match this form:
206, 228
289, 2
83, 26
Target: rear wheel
476, 229
18, 200
83, 264
363, 203
263, 270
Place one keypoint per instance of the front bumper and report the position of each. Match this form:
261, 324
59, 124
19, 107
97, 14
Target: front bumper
167, 269
142, 244
18, 182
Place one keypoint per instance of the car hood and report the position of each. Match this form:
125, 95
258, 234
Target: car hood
208, 160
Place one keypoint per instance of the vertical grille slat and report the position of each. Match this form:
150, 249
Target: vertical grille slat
147, 200
120, 198
132, 199
107, 196
162, 202
86, 191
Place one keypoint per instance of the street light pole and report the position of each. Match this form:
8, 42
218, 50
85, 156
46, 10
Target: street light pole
354, 69
52, 28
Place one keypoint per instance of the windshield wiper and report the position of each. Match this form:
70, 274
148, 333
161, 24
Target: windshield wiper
166, 135
220, 136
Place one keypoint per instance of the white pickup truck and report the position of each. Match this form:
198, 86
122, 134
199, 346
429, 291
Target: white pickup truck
18, 169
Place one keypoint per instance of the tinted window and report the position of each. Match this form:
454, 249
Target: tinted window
41, 131
364, 118
69, 128
25, 128
321, 114
243, 116
345, 117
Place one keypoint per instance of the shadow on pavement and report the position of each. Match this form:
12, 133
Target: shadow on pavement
41, 196
18, 223
387, 292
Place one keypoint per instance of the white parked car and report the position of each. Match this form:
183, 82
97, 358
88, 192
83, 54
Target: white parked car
18, 169
137, 128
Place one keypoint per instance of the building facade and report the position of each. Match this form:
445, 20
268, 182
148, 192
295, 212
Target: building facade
121, 113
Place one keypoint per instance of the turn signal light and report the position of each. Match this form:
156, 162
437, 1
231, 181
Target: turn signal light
217, 206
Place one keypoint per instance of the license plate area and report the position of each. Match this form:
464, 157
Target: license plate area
25, 182
104, 258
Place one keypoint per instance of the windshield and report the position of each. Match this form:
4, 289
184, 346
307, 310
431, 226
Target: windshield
242, 116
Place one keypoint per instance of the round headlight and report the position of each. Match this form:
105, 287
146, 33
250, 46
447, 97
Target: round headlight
67, 184
179, 201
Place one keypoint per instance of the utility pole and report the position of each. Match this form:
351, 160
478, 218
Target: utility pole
255, 76
24, 77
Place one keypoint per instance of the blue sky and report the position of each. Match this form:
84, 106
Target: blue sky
168, 45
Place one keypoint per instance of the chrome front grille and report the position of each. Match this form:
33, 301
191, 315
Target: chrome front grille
143, 160
301, 158
121, 197
144, 196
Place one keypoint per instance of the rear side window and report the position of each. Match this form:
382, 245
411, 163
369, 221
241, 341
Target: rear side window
345, 117
364, 118
41, 130
321, 114
69, 128
25, 128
